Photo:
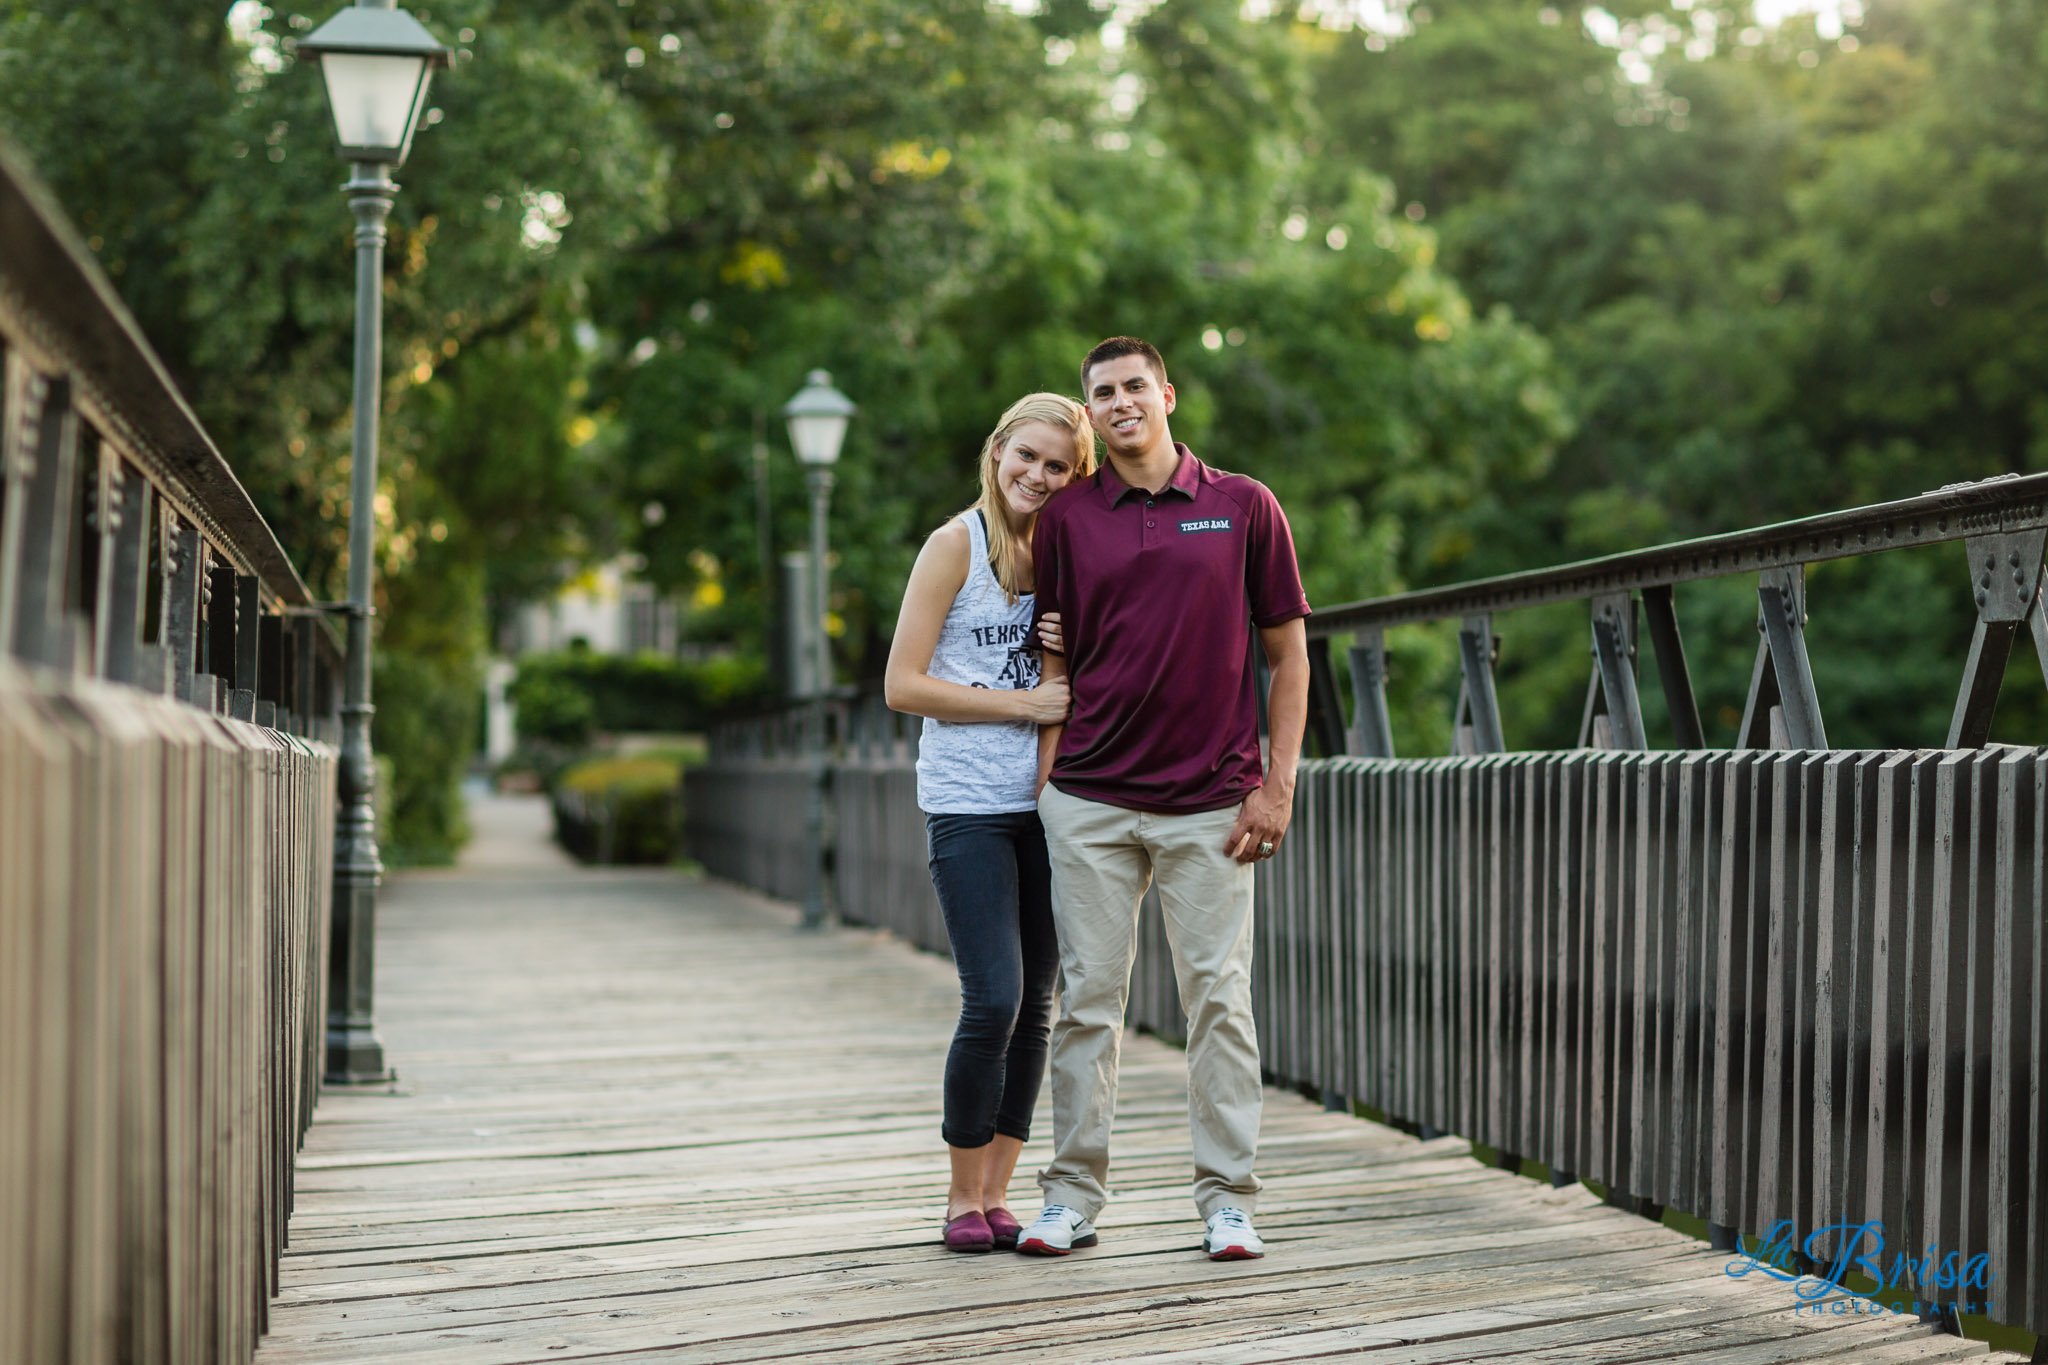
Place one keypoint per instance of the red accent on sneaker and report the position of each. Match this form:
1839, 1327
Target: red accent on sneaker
1035, 1247
1235, 1253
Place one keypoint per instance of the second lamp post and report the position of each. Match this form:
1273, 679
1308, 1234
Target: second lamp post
817, 419
375, 60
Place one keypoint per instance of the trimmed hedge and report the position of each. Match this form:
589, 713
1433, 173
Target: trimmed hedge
626, 809
565, 698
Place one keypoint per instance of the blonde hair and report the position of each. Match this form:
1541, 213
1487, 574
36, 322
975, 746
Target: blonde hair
1054, 410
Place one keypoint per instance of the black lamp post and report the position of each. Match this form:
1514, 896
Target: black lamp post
817, 419
376, 61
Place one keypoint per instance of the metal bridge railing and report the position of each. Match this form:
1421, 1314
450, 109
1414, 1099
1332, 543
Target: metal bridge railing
167, 714
1772, 984
2002, 522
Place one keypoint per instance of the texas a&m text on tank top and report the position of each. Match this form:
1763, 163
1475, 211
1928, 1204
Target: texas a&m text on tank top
990, 767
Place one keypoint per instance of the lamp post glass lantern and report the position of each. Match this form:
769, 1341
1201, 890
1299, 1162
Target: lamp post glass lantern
817, 419
375, 61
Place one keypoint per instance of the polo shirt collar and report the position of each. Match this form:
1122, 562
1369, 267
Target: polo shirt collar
1187, 477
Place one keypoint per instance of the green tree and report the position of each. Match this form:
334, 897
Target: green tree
197, 157
1786, 275
1313, 342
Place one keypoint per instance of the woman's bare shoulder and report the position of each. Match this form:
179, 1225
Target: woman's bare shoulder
943, 560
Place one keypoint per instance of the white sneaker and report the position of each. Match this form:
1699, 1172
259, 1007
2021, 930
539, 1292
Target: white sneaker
1230, 1237
1057, 1231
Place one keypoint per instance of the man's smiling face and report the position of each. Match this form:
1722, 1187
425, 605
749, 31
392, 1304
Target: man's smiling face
1128, 404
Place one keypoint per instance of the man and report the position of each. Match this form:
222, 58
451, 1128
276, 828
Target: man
1160, 568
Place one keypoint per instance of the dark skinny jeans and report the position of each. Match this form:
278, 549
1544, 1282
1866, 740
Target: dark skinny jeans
995, 890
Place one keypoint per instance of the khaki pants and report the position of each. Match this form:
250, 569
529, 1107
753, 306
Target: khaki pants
1102, 859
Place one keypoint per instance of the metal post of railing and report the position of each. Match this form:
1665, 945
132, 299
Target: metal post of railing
1369, 690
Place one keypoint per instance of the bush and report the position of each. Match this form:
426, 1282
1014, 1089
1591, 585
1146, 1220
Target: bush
552, 709
565, 698
425, 725
429, 695
625, 809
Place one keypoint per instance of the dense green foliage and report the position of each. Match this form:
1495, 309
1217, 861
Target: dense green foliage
1509, 283
197, 159
1803, 272
569, 697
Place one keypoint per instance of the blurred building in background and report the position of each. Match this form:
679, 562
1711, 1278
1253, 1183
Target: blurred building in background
605, 610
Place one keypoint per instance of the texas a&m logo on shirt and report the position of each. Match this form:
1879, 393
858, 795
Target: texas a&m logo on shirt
1205, 524
1021, 666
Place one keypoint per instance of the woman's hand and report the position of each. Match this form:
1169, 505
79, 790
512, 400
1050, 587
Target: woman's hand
1050, 635
1047, 703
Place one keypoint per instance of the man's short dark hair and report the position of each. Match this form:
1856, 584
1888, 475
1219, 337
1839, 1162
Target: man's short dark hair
1116, 348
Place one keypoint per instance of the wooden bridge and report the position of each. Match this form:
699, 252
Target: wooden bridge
1739, 991
640, 1116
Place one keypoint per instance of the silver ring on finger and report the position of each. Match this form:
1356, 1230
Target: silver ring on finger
1266, 848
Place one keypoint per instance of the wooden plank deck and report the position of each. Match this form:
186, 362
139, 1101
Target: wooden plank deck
640, 1115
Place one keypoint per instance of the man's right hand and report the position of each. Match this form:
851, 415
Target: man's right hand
1047, 703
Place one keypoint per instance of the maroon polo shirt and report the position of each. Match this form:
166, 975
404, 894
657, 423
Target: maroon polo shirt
1157, 596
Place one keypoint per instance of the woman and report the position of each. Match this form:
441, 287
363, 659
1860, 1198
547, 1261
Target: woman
964, 660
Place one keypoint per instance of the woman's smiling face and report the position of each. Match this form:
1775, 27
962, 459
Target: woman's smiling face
1036, 462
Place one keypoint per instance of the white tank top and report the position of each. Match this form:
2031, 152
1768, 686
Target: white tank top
988, 768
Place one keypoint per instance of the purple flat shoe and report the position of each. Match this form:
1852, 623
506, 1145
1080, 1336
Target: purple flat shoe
969, 1232
1005, 1228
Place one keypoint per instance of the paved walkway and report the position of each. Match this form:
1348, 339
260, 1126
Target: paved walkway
511, 834
641, 1116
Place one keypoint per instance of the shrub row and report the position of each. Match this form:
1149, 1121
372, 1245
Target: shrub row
621, 809
566, 697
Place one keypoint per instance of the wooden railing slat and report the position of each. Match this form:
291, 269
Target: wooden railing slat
163, 868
